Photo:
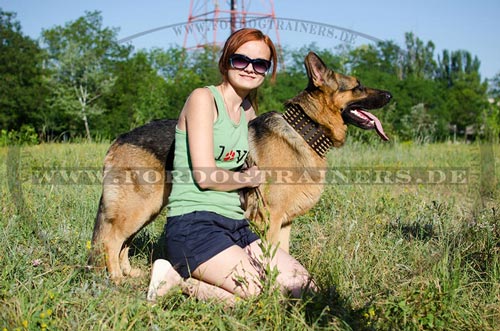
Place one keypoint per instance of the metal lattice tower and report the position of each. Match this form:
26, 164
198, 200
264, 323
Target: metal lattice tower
210, 22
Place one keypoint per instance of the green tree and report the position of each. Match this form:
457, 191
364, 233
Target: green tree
21, 76
138, 96
81, 56
205, 65
184, 71
419, 58
465, 93
494, 87
451, 66
376, 65
492, 113
153, 84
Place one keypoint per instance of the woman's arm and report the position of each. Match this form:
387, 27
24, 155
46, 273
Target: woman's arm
199, 115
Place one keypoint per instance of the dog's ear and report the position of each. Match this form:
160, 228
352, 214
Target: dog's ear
316, 70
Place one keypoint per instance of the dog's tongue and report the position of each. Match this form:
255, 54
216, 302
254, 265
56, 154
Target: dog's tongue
378, 125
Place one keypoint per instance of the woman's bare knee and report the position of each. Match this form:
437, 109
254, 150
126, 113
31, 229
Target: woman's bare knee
293, 278
232, 270
246, 285
298, 283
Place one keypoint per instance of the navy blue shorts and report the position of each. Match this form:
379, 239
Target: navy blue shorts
194, 238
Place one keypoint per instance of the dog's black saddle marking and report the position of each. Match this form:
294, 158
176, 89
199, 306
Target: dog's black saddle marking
157, 137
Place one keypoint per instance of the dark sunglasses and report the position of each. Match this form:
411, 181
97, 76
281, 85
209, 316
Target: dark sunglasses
240, 62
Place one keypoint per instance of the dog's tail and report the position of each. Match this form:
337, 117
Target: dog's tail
96, 255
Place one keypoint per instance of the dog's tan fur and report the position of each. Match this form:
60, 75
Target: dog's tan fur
125, 208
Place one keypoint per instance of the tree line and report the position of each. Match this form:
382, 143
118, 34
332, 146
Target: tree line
77, 82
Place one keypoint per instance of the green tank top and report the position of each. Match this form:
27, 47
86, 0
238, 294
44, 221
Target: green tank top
230, 151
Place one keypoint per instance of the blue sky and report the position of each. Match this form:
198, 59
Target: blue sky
452, 25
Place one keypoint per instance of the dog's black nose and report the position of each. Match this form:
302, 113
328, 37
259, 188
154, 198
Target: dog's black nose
388, 96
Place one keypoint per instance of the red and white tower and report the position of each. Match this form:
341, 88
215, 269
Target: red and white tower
210, 22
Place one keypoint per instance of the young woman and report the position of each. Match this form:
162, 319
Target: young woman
211, 251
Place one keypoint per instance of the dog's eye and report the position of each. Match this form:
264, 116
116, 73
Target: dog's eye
359, 88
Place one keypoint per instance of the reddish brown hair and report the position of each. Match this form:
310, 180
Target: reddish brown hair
238, 38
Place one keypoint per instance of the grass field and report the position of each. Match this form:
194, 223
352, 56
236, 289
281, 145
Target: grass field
405, 237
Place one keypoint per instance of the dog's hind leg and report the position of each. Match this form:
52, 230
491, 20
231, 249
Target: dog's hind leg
148, 215
114, 235
106, 244
112, 244
123, 211
137, 214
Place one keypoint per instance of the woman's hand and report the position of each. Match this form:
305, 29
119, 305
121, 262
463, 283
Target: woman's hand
255, 176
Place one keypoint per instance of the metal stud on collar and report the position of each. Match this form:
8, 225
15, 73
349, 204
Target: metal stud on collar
311, 131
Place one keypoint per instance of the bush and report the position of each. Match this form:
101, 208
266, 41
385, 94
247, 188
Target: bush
25, 136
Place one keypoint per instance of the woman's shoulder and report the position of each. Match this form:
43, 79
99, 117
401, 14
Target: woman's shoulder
200, 105
200, 98
202, 93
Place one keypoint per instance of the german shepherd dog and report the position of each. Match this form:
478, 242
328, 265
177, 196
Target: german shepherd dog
288, 147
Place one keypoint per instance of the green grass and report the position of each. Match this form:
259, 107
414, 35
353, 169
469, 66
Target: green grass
389, 256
